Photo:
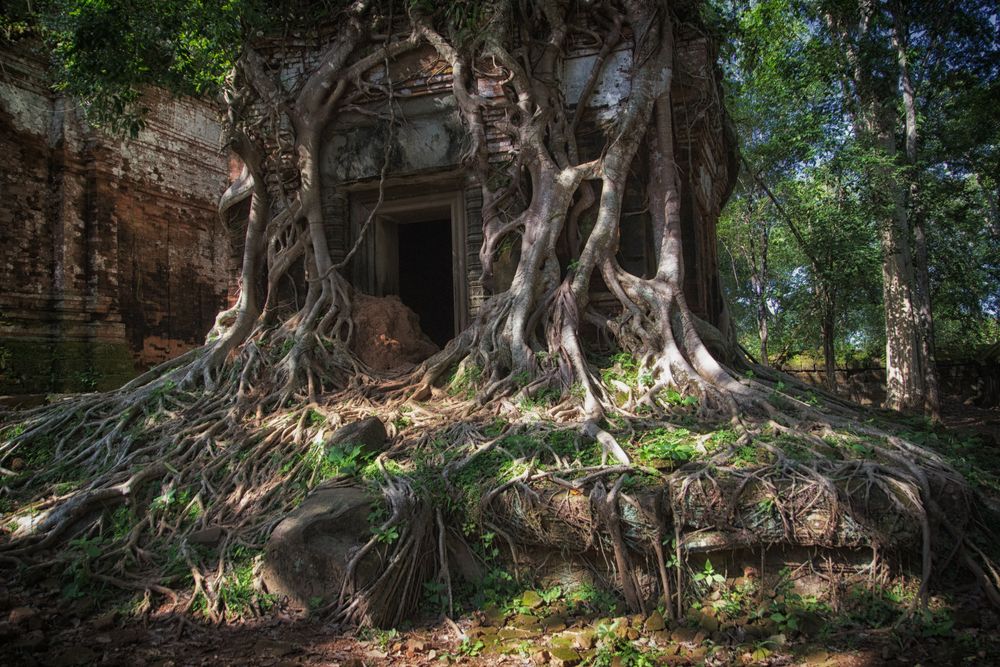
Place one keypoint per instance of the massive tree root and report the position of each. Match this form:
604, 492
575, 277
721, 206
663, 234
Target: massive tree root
231, 436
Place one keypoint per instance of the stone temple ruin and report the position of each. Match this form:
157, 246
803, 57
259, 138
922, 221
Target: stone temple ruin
113, 258
426, 233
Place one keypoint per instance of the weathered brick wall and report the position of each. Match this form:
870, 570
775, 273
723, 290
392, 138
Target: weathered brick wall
112, 258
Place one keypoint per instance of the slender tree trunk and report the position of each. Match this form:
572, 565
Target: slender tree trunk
869, 105
904, 370
921, 279
761, 289
829, 351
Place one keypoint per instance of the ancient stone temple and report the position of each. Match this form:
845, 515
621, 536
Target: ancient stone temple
112, 256
401, 169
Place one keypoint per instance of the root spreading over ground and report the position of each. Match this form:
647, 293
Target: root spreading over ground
515, 430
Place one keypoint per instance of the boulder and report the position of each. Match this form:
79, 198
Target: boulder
369, 433
306, 557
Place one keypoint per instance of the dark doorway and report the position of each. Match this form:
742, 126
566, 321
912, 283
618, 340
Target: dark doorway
425, 276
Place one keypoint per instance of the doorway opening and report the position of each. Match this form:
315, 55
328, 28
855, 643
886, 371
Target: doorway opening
416, 251
425, 276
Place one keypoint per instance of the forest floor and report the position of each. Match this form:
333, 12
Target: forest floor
741, 618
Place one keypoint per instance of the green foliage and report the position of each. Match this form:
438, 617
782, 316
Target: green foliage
791, 94
83, 551
468, 648
435, 596
661, 445
340, 460
382, 638
738, 599
107, 50
315, 418
788, 609
708, 576
377, 517
614, 651
589, 598
464, 381
237, 591
673, 397
163, 389
622, 367
968, 453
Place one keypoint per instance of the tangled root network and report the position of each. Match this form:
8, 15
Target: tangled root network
518, 433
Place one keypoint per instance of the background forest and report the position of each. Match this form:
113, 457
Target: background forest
799, 240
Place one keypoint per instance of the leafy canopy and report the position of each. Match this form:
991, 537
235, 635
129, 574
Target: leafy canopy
106, 52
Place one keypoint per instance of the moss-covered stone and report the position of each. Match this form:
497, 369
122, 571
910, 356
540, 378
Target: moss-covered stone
564, 657
654, 622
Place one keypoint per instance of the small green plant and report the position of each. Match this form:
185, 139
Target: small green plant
762, 650
471, 648
377, 517
787, 622
381, 638
661, 444
587, 597
387, 535
315, 417
165, 388
403, 419
167, 498
550, 595
614, 651
624, 368
787, 608
88, 379
709, 576
673, 397
77, 572
465, 380
344, 459
435, 596
63, 488
237, 592
745, 455
722, 437
121, 523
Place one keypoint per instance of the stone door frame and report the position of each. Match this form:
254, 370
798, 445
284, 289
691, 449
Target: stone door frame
402, 204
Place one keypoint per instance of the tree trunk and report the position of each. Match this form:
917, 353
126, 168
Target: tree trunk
829, 351
921, 278
903, 359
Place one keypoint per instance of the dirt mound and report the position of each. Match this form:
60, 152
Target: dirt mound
387, 334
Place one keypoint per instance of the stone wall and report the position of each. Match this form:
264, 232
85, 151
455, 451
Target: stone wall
969, 382
112, 258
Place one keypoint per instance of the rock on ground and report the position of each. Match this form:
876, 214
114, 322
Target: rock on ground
306, 557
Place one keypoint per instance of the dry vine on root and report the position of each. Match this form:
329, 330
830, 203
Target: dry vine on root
231, 436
